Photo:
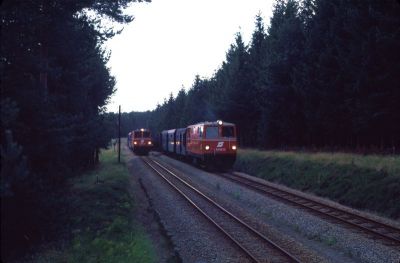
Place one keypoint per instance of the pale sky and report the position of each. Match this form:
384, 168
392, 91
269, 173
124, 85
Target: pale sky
171, 41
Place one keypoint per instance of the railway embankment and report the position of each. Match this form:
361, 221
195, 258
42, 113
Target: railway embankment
99, 220
369, 182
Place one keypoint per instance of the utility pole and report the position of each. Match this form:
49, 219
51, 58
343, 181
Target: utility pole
119, 134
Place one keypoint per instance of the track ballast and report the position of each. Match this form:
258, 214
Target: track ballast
256, 246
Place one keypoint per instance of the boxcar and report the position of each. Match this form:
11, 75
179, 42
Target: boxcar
168, 141
171, 141
164, 141
180, 142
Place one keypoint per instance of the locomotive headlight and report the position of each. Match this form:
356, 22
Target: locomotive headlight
233, 147
220, 122
207, 147
149, 143
135, 143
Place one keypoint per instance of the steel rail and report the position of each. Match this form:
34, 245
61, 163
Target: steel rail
241, 222
316, 206
230, 237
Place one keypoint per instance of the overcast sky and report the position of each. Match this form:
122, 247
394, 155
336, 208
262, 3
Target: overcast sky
170, 41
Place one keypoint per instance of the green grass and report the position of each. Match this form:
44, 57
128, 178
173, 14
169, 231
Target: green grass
390, 164
368, 182
100, 219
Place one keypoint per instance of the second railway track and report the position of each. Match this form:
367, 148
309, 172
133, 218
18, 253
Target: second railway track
382, 231
256, 246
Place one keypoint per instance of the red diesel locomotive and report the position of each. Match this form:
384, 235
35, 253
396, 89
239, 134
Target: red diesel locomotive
208, 143
139, 141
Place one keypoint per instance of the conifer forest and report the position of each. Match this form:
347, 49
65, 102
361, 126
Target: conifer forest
321, 74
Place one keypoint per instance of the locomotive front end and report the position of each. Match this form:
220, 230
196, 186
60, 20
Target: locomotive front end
219, 144
141, 141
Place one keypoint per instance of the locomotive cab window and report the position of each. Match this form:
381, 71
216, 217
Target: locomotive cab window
227, 131
211, 132
200, 131
140, 134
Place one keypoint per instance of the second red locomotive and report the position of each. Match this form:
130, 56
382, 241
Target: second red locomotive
140, 141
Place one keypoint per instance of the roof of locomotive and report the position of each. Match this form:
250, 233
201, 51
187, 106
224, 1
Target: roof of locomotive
141, 130
216, 123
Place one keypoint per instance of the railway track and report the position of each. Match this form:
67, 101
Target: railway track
374, 228
252, 243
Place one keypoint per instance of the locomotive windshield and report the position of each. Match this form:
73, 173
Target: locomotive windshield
138, 134
211, 132
227, 131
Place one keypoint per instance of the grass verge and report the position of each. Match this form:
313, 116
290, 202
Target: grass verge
365, 182
100, 222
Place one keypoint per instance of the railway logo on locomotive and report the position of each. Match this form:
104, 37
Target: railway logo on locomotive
220, 144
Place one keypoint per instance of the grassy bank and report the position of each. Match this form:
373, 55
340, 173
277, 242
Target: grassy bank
368, 182
99, 222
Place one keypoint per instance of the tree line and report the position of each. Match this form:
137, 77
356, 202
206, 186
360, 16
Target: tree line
322, 74
54, 87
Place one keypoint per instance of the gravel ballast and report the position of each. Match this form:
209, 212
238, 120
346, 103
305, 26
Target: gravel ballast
333, 242
193, 238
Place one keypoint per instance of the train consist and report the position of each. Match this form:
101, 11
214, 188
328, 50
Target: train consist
139, 141
213, 144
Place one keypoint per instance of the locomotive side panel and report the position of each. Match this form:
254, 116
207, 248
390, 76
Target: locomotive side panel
193, 140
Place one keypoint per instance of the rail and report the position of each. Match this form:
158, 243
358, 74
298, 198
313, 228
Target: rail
152, 163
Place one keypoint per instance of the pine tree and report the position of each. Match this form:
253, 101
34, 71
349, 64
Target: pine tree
256, 86
54, 76
282, 120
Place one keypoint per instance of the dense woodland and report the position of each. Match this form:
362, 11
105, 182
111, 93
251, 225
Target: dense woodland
323, 74
54, 87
